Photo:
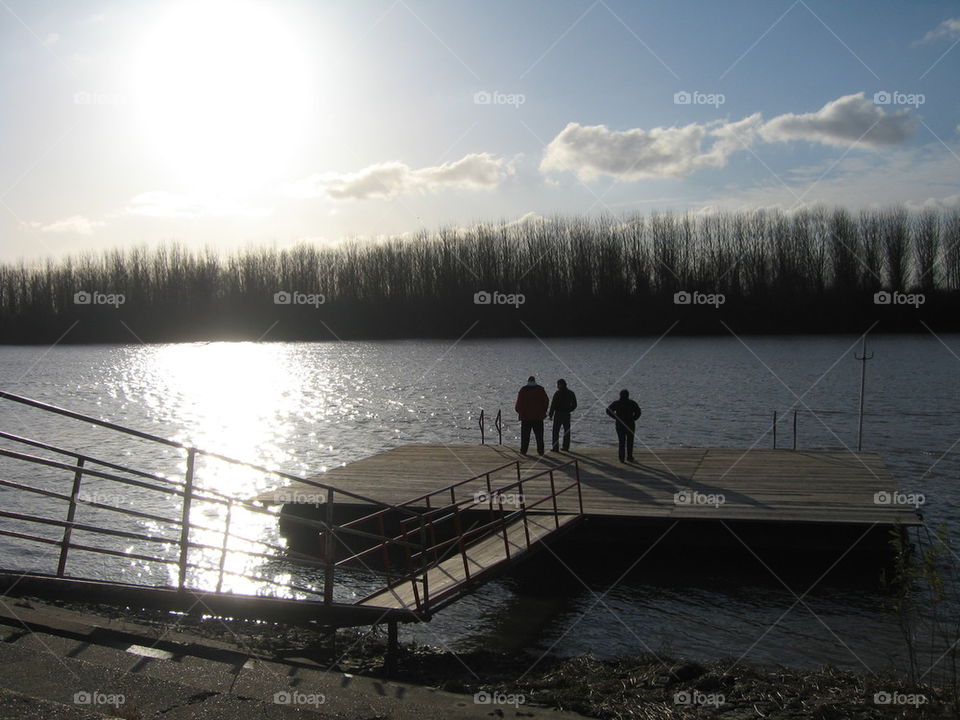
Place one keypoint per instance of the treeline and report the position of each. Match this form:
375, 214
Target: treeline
814, 270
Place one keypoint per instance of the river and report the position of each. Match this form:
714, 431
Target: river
306, 407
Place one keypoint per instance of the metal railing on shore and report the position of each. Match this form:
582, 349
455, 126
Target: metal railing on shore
189, 493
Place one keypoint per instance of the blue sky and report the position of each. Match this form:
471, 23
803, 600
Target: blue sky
228, 123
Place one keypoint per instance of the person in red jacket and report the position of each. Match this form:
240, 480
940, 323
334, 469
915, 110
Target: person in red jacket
531, 406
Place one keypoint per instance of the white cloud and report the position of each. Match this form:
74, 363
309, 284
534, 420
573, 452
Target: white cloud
671, 152
950, 202
595, 150
477, 171
160, 203
949, 29
843, 121
76, 224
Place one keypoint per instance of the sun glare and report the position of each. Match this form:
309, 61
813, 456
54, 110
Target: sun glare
226, 93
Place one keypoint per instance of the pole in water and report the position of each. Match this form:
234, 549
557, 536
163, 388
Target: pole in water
862, 357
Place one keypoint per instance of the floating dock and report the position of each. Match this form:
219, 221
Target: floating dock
778, 508
782, 486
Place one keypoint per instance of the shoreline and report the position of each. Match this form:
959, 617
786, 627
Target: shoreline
638, 686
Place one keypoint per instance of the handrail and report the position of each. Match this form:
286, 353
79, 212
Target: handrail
419, 564
445, 489
448, 488
189, 490
46, 407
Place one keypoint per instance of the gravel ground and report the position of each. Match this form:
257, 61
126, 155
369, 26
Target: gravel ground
632, 687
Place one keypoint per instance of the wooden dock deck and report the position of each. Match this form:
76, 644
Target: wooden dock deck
688, 483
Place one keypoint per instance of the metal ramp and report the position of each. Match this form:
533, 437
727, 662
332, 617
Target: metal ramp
57, 503
448, 579
487, 529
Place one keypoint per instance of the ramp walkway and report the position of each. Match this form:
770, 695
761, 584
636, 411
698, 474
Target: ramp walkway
198, 553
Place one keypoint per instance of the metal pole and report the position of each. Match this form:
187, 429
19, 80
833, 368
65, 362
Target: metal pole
185, 520
328, 552
498, 423
794, 429
223, 548
71, 513
774, 429
863, 357
483, 440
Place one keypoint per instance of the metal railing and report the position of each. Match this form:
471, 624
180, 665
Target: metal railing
433, 551
190, 493
497, 424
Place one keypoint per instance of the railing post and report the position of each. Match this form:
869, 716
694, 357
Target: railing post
411, 573
185, 518
426, 569
71, 514
576, 468
328, 552
523, 513
458, 527
553, 494
386, 549
223, 548
483, 440
794, 429
498, 423
503, 525
774, 429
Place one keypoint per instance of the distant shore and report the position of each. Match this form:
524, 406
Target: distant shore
820, 270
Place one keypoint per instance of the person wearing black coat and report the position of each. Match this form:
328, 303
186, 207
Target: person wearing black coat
626, 413
563, 403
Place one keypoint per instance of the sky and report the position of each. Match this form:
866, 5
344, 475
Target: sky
234, 123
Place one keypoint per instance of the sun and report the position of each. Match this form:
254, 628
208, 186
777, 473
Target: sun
225, 92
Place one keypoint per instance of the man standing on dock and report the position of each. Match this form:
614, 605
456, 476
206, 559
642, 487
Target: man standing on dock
564, 402
626, 412
531, 406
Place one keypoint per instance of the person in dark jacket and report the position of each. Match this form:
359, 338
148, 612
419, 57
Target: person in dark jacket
626, 412
531, 406
564, 402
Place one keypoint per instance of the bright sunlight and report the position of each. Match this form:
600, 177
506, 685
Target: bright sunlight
226, 94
